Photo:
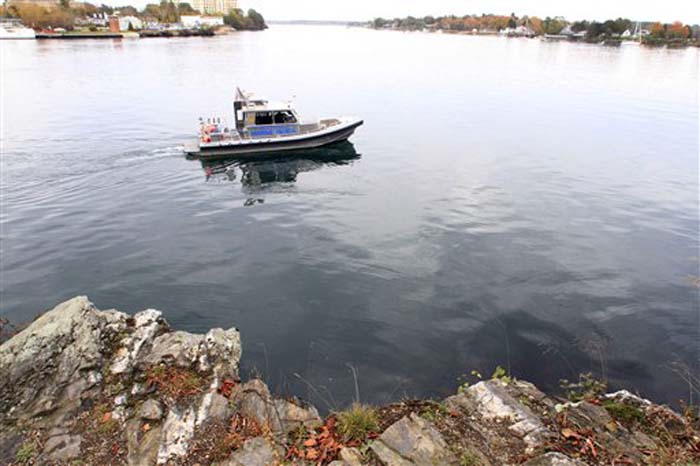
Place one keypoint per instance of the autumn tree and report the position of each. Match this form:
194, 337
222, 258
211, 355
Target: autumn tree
536, 25
658, 30
39, 17
677, 31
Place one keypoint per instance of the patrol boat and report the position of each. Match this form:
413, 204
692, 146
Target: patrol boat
262, 126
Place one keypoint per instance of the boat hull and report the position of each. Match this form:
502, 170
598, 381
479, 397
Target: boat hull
275, 145
23, 34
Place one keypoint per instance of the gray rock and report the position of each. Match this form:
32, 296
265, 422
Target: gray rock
254, 401
147, 324
291, 415
151, 410
178, 430
63, 447
220, 407
178, 348
553, 459
413, 441
351, 456
220, 352
590, 415
10, 441
258, 451
492, 401
142, 447
47, 368
53, 369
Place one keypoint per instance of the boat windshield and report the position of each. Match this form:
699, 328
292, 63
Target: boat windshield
274, 117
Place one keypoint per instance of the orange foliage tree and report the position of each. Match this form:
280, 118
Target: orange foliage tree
39, 17
658, 30
536, 25
678, 31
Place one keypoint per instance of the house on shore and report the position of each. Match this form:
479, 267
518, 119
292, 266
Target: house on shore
124, 23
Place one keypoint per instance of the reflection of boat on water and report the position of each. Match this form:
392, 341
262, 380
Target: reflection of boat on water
266, 127
258, 171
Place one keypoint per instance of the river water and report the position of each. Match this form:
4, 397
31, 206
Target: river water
507, 202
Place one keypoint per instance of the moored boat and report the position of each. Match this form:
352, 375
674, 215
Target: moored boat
264, 127
13, 29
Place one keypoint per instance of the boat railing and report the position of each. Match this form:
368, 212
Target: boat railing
216, 130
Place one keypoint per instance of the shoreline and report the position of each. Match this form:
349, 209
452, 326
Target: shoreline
607, 42
84, 386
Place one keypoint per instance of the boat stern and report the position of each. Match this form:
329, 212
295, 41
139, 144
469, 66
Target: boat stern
191, 148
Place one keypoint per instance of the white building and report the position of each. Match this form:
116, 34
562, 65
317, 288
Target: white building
212, 7
198, 21
520, 31
125, 21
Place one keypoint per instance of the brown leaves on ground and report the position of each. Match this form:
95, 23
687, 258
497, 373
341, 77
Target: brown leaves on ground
320, 446
675, 441
241, 429
216, 440
226, 387
175, 383
582, 443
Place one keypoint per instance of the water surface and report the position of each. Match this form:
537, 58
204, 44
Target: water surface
512, 202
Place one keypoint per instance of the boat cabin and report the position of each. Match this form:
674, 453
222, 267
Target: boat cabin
260, 118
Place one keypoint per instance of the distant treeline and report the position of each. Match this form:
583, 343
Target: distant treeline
589, 30
65, 13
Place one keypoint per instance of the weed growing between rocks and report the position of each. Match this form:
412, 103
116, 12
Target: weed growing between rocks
357, 422
26, 453
627, 415
587, 388
174, 383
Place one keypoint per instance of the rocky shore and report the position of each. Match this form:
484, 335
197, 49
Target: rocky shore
80, 386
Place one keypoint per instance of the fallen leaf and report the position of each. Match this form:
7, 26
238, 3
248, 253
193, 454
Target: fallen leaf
146, 427
107, 416
310, 442
311, 454
226, 387
569, 433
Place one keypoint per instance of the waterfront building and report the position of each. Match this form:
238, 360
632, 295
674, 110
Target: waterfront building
97, 19
198, 21
122, 23
520, 31
133, 21
213, 7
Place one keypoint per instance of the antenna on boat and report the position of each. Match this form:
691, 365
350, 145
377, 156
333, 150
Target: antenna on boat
240, 95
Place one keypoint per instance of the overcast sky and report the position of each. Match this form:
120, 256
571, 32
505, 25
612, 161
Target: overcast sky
687, 11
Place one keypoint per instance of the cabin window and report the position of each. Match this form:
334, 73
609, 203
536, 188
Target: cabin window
263, 118
285, 117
